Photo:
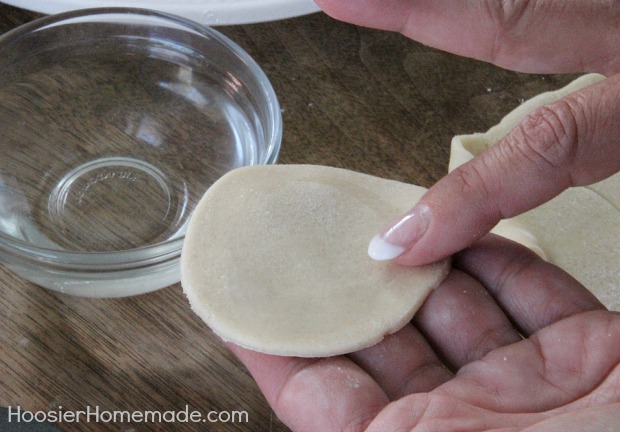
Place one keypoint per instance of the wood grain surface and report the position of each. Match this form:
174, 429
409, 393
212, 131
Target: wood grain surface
351, 97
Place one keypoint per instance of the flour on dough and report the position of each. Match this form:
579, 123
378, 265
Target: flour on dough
275, 260
580, 229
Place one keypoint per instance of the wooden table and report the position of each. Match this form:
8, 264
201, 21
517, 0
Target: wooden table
351, 97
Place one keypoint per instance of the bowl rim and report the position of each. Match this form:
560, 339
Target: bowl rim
157, 253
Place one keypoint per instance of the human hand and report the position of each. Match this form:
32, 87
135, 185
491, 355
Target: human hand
539, 36
572, 142
563, 377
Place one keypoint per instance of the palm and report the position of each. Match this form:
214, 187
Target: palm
463, 363
561, 376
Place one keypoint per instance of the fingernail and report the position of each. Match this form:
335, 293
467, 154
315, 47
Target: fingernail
395, 240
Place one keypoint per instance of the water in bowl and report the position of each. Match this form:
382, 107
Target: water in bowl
102, 143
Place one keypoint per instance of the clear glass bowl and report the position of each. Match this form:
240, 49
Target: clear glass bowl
113, 124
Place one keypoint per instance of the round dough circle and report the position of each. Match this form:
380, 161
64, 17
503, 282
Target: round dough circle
275, 260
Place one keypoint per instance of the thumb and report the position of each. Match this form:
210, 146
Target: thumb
572, 142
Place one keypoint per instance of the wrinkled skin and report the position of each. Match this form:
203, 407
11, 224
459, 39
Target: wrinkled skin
508, 342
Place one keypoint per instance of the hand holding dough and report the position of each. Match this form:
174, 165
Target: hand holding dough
538, 152
275, 260
579, 230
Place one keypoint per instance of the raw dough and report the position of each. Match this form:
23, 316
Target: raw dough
275, 260
580, 229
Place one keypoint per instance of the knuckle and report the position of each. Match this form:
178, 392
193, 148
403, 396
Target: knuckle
506, 16
508, 13
548, 137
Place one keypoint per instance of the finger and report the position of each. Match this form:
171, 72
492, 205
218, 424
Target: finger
463, 322
571, 142
403, 363
532, 291
315, 394
529, 36
556, 367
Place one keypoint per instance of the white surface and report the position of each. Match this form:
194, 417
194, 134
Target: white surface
209, 12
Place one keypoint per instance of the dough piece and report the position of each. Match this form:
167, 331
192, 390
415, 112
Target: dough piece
465, 147
275, 260
578, 230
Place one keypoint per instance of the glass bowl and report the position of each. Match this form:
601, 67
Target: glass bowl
113, 123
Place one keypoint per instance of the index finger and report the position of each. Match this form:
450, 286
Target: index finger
571, 142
